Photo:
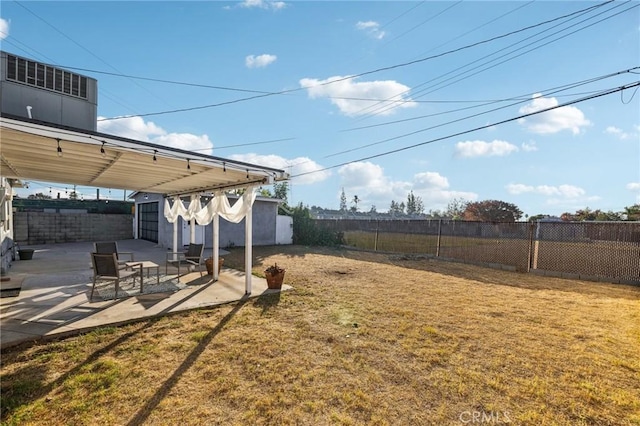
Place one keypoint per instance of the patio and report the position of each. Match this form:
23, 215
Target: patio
55, 286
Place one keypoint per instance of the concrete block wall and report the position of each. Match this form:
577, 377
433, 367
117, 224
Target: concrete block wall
48, 228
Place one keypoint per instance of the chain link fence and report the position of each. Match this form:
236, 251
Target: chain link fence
604, 251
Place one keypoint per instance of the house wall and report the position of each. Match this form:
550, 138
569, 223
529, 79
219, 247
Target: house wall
7, 253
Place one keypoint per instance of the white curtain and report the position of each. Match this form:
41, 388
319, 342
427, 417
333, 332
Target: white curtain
218, 205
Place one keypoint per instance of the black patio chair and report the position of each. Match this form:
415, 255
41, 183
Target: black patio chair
105, 267
191, 258
108, 247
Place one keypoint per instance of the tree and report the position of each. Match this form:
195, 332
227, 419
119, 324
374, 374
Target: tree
396, 208
264, 192
280, 190
537, 217
39, 196
356, 200
589, 215
492, 211
415, 206
455, 208
632, 212
343, 201
373, 210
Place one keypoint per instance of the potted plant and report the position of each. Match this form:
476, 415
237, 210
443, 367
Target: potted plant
275, 276
209, 264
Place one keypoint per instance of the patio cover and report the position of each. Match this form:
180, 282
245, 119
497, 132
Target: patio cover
29, 151
32, 150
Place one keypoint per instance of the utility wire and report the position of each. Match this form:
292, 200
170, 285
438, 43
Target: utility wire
384, 106
603, 93
82, 47
547, 92
261, 94
424, 22
527, 45
435, 88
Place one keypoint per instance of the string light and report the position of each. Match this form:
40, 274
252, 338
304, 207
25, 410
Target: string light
155, 160
188, 165
247, 173
224, 167
59, 149
102, 152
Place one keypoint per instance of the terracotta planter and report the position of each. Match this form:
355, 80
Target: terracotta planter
274, 281
209, 264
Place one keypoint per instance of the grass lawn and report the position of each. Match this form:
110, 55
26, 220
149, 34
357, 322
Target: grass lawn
363, 339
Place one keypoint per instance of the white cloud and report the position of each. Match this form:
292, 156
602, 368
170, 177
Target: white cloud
619, 133
389, 91
261, 4
564, 191
136, 128
259, 61
497, 148
130, 127
633, 186
4, 28
554, 121
293, 166
529, 147
372, 28
369, 182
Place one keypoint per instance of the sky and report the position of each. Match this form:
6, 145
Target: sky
376, 98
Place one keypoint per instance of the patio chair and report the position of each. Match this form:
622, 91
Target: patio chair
192, 258
105, 267
108, 247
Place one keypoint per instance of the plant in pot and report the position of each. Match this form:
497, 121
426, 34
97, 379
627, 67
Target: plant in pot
209, 264
275, 276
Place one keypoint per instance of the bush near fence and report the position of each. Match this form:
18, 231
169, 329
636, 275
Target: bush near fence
603, 251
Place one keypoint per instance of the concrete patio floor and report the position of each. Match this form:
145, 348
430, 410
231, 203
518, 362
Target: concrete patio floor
56, 284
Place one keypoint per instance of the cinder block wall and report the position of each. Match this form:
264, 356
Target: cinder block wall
48, 228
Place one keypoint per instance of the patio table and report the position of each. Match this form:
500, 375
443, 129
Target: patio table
147, 265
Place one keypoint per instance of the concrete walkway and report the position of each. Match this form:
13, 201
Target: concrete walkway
56, 283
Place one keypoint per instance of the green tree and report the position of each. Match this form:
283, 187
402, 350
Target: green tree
415, 205
264, 192
492, 211
307, 232
356, 200
343, 201
39, 196
455, 208
537, 217
396, 208
632, 212
281, 191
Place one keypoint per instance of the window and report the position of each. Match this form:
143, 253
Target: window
40, 75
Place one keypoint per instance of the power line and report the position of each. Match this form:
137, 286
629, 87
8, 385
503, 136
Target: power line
382, 107
261, 94
604, 93
83, 48
548, 91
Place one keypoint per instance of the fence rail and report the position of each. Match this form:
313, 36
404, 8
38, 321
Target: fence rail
602, 251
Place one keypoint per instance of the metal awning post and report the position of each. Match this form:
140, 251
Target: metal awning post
248, 249
216, 246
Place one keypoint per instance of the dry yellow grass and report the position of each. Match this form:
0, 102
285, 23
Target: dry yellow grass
362, 339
